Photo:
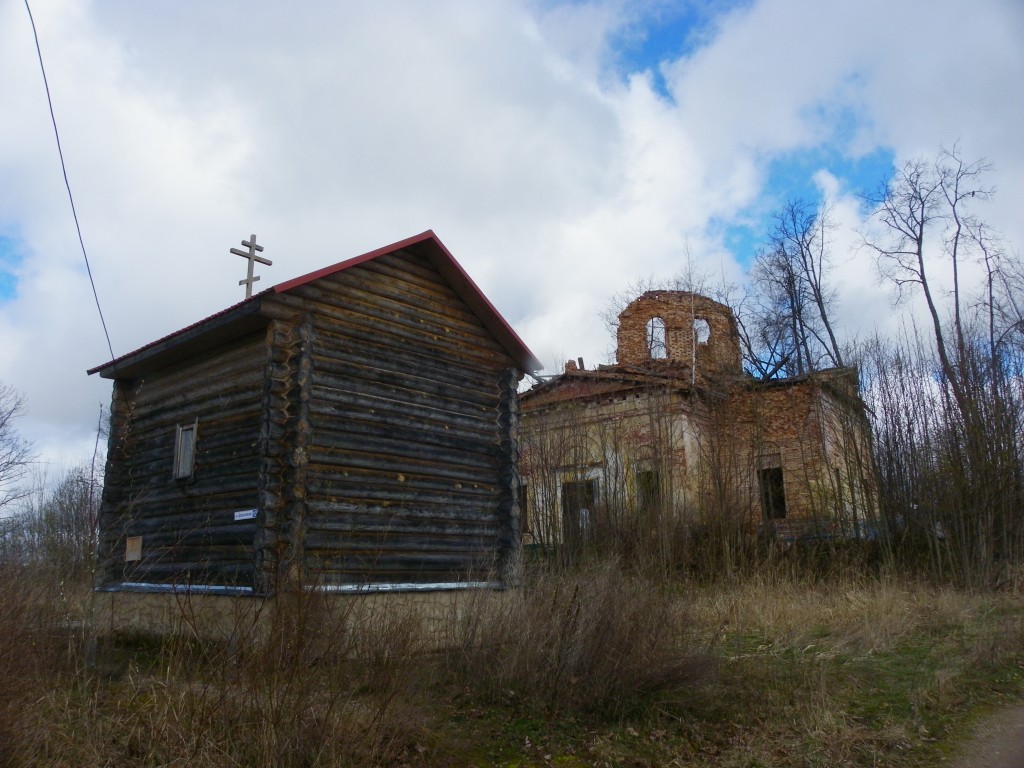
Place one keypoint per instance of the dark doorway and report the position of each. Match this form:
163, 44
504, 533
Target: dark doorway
579, 499
773, 493
648, 494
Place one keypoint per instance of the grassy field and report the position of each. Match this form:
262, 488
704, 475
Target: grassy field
797, 675
579, 669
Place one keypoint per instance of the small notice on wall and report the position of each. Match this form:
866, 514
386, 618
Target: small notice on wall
245, 514
133, 549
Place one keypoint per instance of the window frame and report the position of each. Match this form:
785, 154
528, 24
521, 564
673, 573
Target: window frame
186, 438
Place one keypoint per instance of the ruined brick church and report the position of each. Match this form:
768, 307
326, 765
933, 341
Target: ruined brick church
676, 432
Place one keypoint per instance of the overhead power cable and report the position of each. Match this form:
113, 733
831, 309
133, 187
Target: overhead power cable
67, 184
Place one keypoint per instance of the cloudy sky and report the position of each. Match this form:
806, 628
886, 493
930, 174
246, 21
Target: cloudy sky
561, 150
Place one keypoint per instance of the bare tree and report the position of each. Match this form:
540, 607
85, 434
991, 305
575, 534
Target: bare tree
926, 225
1005, 291
15, 452
785, 317
969, 482
55, 524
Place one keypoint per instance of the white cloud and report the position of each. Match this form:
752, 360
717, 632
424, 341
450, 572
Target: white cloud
787, 75
555, 179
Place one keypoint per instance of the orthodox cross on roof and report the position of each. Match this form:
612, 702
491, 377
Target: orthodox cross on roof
253, 258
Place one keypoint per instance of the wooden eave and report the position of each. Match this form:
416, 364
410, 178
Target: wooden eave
225, 326
248, 316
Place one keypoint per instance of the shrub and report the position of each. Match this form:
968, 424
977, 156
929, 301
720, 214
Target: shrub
597, 640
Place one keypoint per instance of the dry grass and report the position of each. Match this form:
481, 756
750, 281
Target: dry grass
864, 615
39, 643
596, 640
588, 667
857, 673
316, 687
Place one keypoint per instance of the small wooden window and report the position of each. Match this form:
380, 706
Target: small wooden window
185, 450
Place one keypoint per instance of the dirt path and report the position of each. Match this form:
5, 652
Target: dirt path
998, 742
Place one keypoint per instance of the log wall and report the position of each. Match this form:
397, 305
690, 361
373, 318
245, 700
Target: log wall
407, 463
189, 534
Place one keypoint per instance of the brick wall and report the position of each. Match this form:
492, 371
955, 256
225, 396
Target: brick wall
780, 426
719, 354
710, 431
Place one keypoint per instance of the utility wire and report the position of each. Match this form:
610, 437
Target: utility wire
67, 184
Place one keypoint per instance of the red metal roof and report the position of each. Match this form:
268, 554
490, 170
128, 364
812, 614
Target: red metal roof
426, 244
452, 271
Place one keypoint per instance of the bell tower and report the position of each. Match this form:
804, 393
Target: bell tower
679, 328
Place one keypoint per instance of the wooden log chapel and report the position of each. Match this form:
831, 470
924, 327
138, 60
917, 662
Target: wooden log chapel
352, 429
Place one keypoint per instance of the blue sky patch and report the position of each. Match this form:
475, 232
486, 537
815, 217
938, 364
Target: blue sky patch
668, 31
791, 177
10, 256
744, 241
